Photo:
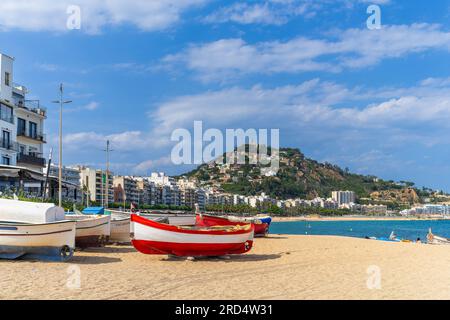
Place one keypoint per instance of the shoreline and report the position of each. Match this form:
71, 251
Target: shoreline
352, 218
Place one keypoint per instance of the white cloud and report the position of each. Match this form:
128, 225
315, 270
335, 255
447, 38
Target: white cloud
146, 166
91, 106
50, 15
312, 105
352, 48
279, 12
48, 67
270, 12
124, 141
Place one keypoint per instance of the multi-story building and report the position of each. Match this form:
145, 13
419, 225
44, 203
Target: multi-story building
343, 197
30, 130
125, 190
94, 183
21, 133
71, 182
8, 143
200, 198
188, 197
147, 191
160, 178
21, 122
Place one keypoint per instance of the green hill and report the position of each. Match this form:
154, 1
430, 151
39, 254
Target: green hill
298, 177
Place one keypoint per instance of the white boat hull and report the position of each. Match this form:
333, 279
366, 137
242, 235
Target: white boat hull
91, 231
120, 230
54, 240
174, 219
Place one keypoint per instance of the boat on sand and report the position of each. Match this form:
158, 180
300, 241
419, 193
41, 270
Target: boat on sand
176, 219
434, 239
120, 230
48, 241
151, 237
261, 228
91, 231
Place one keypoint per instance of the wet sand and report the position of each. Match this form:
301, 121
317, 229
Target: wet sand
278, 267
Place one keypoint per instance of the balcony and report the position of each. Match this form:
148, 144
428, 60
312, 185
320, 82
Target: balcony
11, 146
33, 106
32, 135
7, 118
31, 159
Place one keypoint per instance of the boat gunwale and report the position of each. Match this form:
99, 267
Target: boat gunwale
34, 234
28, 224
166, 227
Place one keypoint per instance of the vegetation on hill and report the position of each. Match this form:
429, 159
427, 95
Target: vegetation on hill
301, 177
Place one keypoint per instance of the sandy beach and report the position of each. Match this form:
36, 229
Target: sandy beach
279, 267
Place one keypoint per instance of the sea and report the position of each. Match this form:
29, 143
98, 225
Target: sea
404, 229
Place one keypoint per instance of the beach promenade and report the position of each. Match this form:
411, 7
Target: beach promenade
279, 267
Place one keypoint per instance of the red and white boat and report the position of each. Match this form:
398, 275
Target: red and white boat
151, 237
261, 228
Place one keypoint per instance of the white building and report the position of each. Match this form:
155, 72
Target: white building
431, 209
343, 197
160, 178
21, 122
94, 183
30, 130
8, 143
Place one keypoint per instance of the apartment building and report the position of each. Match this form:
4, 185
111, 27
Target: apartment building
94, 182
8, 143
343, 197
126, 190
146, 190
71, 183
21, 123
30, 117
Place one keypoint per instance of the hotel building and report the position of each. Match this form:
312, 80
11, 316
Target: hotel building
94, 182
343, 197
21, 133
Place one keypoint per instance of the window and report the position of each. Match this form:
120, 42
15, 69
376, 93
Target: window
6, 113
6, 161
21, 127
6, 139
7, 79
32, 130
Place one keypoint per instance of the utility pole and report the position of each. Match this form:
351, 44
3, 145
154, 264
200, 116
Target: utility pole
61, 103
108, 150
44, 189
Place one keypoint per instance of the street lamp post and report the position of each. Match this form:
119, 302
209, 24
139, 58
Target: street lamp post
61, 102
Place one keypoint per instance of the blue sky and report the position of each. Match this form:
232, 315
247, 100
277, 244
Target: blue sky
375, 101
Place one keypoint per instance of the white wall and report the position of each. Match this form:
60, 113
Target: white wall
6, 65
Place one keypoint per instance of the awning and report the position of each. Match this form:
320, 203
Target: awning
31, 175
9, 173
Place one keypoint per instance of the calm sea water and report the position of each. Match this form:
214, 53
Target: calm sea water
360, 229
